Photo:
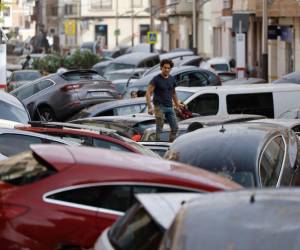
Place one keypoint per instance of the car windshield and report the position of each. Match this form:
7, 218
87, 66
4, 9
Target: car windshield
136, 230
25, 76
141, 148
183, 95
23, 169
244, 178
118, 66
220, 67
81, 76
13, 113
117, 76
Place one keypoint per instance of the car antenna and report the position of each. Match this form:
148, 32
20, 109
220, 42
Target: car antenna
222, 130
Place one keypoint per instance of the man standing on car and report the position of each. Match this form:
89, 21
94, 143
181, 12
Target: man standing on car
163, 87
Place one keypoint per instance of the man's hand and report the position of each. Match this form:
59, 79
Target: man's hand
179, 106
150, 111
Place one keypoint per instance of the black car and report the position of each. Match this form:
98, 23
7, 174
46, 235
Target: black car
113, 108
132, 126
189, 76
245, 220
58, 96
252, 154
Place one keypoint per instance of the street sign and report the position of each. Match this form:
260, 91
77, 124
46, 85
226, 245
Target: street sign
70, 27
151, 37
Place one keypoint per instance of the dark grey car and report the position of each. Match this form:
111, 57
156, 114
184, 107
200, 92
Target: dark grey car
189, 76
252, 154
60, 95
245, 220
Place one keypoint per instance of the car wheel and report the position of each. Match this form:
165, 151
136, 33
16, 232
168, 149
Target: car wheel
46, 114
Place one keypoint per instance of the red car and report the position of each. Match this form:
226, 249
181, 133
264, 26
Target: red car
88, 136
56, 200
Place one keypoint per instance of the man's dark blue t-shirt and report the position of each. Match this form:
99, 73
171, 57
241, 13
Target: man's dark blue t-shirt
163, 91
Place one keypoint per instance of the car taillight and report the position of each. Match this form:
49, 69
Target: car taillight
11, 211
71, 87
136, 137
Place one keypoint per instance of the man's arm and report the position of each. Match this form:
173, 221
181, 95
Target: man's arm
149, 92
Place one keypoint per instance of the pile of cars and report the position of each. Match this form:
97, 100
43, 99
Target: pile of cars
80, 166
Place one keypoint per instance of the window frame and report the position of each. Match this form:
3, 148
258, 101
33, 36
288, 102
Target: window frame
105, 210
98, 5
282, 164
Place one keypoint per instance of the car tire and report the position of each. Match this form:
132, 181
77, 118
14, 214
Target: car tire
46, 114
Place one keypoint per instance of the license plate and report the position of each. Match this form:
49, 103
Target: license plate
99, 94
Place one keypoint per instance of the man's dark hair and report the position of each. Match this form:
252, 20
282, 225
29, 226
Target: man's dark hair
166, 61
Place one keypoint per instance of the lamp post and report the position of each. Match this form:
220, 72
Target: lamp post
264, 58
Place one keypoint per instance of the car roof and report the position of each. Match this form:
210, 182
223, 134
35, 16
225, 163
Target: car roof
198, 147
221, 119
247, 88
134, 58
120, 71
163, 207
147, 78
125, 119
175, 54
250, 80
243, 219
116, 103
128, 166
289, 123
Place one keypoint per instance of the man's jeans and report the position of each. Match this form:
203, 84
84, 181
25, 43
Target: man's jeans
162, 112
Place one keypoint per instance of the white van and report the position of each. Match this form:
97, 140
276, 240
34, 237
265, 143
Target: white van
269, 100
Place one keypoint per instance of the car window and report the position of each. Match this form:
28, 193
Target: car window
26, 91
183, 95
128, 110
44, 84
292, 114
136, 230
99, 143
80, 139
256, 103
271, 161
194, 79
220, 67
11, 144
109, 112
113, 197
206, 104
13, 113
24, 169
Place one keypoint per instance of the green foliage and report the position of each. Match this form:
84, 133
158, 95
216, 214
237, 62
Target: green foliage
78, 60
81, 60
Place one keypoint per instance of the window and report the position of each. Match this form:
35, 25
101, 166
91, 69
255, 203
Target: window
128, 110
113, 197
8, 143
13, 113
23, 169
271, 161
137, 3
83, 140
193, 79
70, 9
109, 112
256, 103
26, 92
109, 145
44, 84
206, 104
136, 230
101, 4
6, 11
